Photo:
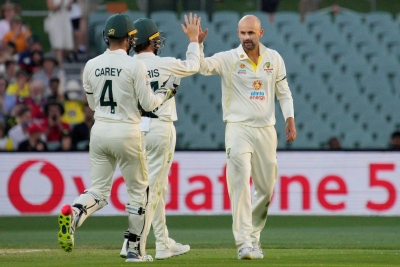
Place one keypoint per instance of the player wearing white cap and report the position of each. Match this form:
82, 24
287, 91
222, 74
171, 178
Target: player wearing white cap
251, 75
114, 83
158, 125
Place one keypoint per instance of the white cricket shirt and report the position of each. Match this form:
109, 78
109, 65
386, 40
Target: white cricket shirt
248, 90
160, 68
114, 83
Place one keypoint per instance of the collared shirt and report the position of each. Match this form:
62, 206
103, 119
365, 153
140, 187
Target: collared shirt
160, 68
249, 89
114, 83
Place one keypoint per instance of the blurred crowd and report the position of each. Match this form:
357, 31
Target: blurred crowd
40, 108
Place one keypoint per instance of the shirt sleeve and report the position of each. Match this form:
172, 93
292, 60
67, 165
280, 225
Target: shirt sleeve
190, 66
148, 100
282, 90
87, 87
210, 65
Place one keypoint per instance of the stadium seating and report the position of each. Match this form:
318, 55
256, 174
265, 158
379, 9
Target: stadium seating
343, 72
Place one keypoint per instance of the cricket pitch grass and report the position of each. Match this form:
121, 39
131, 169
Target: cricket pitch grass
286, 240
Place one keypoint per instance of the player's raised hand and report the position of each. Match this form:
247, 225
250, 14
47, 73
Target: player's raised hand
290, 130
202, 35
191, 29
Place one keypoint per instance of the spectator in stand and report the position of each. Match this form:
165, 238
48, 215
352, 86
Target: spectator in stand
5, 142
334, 144
10, 49
306, 6
395, 141
73, 103
81, 132
34, 142
19, 132
18, 35
11, 70
55, 95
4, 56
36, 101
270, 7
6, 101
8, 12
49, 70
28, 59
53, 125
66, 142
11, 118
19, 89
75, 14
59, 27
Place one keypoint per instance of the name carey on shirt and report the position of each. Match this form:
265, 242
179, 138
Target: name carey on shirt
107, 72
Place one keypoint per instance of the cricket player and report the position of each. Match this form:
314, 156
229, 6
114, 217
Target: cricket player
251, 76
114, 83
158, 125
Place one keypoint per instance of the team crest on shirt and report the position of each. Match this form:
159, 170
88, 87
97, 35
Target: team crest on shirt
268, 68
257, 84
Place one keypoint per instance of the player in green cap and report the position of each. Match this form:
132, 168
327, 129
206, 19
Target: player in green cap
114, 82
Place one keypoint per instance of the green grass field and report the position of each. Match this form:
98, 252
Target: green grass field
287, 241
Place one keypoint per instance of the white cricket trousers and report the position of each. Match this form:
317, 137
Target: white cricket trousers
122, 143
160, 147
250, 149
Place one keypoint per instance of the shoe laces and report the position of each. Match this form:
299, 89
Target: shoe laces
245, 248
257, 245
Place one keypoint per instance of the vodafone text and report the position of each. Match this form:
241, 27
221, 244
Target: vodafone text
41, 186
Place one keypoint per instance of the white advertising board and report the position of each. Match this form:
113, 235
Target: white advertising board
309, 183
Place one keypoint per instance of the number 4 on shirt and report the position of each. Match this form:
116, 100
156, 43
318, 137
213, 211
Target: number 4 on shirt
111, 103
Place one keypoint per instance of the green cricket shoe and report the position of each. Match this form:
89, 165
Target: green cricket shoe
66, 233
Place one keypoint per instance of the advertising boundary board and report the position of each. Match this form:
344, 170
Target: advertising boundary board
309, 183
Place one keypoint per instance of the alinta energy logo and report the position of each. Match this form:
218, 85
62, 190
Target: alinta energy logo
257, 95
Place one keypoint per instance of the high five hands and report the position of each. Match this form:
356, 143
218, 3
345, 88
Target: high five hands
192, 27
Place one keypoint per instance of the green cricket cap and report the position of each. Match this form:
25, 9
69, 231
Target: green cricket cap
118, 26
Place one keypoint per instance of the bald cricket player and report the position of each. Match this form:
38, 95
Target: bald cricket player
114, 83
251, 76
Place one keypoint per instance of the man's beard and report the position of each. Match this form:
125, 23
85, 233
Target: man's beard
249, 47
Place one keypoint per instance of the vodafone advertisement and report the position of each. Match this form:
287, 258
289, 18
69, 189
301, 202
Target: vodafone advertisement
309, 183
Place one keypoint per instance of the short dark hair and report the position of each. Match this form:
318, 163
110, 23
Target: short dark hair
396, 134
54, 79
57, 104
10, 62
141, 47
5, 79
117, 41
23, 111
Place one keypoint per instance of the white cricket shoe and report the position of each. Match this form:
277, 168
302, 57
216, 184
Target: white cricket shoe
257, 252
122, 254
174, 249
67, 225
245, 253
134, 256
